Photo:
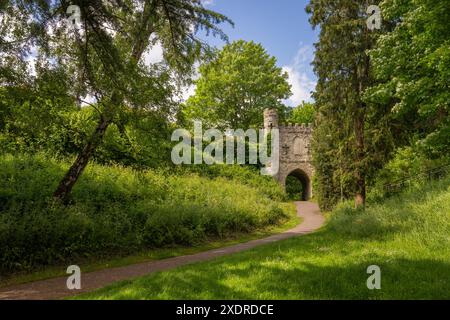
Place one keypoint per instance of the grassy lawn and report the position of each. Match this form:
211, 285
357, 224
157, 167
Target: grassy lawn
90, 265
407, 236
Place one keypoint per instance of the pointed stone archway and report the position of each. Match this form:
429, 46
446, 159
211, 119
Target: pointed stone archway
305, 181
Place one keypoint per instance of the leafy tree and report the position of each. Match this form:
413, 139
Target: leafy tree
105, 56
236, 86
32, 113
412, 66
303, 113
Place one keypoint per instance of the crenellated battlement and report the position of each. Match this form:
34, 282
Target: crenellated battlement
297, 126
302, 125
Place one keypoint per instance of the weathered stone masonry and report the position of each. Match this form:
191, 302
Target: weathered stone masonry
295, 151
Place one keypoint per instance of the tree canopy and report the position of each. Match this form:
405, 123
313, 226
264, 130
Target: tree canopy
412, 66
104, 57
303, 113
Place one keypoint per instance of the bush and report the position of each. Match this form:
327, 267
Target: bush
408, 162
248, 175
117, 210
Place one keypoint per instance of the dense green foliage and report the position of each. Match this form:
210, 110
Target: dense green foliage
116, 210
381, 114
236, 86
36, 121
304, 113
412, 66
378, 91
248, 175
406, 236
408, 166
294, 188
342, 152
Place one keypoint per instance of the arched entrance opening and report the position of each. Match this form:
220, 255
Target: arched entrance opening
298, 186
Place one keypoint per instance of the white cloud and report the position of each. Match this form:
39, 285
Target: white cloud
31, 60
153, 55
301, 83
88, 100
187, 92
207, 2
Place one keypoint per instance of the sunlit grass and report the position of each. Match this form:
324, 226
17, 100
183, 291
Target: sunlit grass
407, 236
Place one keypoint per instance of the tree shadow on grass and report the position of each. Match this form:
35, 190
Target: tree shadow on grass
381, 220
280, 273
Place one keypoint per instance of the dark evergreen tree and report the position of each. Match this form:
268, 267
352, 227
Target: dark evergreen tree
341, 149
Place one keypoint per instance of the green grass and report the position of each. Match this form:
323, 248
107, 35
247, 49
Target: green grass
407, 236
118, 212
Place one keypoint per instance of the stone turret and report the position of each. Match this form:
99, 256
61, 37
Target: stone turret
270, 119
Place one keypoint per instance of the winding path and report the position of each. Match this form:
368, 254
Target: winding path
56, 288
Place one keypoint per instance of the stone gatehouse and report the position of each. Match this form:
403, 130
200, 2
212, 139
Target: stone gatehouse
295, 151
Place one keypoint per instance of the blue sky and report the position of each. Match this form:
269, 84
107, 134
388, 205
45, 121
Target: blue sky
282, 27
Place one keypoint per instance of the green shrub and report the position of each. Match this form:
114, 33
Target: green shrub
408, 162
31, 122
248, 175
117, 210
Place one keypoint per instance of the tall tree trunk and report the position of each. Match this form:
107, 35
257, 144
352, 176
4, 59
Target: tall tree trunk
360, 194
62, 193
140, 43
363, 83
